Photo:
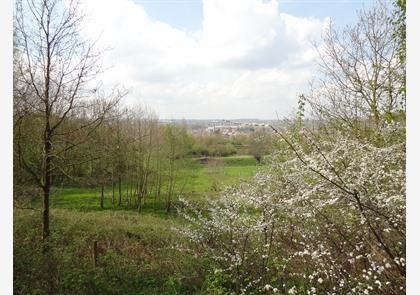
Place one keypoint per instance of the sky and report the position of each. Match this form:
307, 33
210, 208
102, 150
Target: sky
203, 59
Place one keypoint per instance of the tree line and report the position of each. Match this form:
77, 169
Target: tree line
70, 129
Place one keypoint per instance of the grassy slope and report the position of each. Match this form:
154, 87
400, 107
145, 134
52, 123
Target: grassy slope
136, 251
136, 255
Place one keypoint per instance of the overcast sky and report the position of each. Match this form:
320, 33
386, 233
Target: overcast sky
213, 58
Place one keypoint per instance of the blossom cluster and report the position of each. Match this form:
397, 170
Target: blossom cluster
328, 218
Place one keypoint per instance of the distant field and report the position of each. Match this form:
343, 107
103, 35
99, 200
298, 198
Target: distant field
218, 172
200, 178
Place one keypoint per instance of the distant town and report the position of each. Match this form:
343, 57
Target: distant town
235, 127
227, 128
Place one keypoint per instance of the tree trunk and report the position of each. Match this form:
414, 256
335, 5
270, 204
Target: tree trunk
171, 180
157, 194
46, 212
47, 184
126, 195
102, 195
139, 202
169, 199
119, 191
113, 188
136, 191
131, 194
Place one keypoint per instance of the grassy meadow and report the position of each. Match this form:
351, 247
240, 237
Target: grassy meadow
137, 253
198, 179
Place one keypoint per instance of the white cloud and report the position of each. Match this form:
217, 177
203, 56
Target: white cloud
247, 60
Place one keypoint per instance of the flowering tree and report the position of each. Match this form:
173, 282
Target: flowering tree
331, 219
327, 213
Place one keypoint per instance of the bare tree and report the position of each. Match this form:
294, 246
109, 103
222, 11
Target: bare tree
362, 76
56, 69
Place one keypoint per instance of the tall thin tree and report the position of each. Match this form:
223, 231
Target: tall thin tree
57, 68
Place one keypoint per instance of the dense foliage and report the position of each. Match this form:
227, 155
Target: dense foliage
330, 219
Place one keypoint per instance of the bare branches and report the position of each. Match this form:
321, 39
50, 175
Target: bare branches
362, 76
55, 68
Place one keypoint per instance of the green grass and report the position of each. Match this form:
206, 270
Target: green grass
136, 255
233, 173
70, 197
238, 161
137, 252
200, 180
88, 199
208, 179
